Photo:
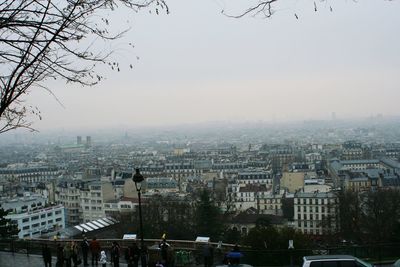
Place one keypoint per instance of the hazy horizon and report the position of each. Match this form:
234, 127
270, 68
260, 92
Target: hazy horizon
195, 65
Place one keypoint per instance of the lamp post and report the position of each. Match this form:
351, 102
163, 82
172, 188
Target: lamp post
138, 179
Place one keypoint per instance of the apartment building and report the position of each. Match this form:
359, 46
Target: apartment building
255, 177
316, 213
271, 203
34, 216
93, 195
68, 194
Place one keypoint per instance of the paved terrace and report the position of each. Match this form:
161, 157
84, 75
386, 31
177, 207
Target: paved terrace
28, 253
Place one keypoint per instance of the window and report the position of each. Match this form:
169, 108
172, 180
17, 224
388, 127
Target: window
34, 218
35, 225
49, 214
316, 264
58, 220
43, 216
347, 264
330, 264
43, 223
25, 220
50, 221
25, 227
58, 212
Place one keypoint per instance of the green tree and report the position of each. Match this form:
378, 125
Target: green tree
350, 216
288, 208
208, 217
264, 237
231, 236
167, 215
7, 228
381, 215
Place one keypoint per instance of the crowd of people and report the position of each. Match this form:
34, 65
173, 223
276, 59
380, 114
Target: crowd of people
69, 254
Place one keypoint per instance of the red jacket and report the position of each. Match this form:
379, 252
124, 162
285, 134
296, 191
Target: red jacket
94, 246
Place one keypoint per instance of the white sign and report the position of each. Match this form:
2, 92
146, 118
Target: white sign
290, 244
129, 237
202, 239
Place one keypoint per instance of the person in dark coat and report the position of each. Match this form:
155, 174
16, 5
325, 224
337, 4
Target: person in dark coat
143, 256
132, 255
46, 252
208, 254
60, 256
164, 251
95, 250
85, 250
115, 251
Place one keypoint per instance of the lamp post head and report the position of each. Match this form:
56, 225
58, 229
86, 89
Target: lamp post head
137, 179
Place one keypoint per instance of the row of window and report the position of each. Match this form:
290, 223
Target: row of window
35, 225
36, 217
92, 208
312, 201
311, 217
312, 209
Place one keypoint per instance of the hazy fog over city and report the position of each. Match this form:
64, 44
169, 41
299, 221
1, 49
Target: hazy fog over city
197, 65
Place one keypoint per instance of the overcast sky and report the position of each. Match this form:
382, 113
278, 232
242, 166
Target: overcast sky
197, 65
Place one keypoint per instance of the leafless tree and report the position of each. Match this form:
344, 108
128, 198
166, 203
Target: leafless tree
53, 39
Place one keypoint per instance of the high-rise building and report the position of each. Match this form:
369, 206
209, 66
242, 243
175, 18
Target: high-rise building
88, 141
79, 140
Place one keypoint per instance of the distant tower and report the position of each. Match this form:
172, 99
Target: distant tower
333, 116
79, 140
88, 141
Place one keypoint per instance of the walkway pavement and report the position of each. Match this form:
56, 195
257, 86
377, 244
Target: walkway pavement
8, 259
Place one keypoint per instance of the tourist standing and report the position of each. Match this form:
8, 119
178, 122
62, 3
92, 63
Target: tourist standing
132, 255
95, 250
103, 258
46, 252
164, 251
115, 251
67, 254
85, 250
60, 256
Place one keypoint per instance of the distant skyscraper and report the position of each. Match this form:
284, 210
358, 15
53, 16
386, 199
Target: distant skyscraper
333, 116
79, 140
88, 141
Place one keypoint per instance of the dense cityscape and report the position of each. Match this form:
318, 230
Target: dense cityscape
289, 175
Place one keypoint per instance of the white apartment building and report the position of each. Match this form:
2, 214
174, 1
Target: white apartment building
93, 196
315, 213
34, 216
68, 194
247, 196
271, 203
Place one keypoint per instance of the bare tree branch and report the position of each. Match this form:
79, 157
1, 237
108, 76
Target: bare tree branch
43, 39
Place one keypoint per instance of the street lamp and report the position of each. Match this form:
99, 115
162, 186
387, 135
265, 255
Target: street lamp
138, 179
